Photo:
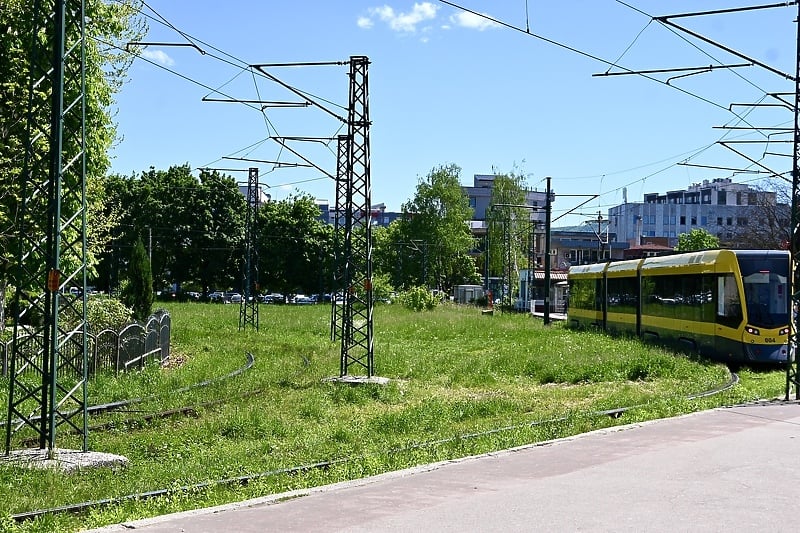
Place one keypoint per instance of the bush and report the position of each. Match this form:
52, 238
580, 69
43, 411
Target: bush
102, 312
382, 289
419, 299
107, 313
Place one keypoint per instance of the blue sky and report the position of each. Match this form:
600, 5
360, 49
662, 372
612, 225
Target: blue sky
447, 86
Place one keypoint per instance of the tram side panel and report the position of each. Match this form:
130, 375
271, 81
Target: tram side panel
622, 297
586, 296
678, 311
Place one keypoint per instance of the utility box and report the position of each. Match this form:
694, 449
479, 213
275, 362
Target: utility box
466, 294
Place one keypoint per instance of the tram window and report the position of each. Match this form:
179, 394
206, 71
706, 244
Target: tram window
622, 296
729, 306
658, 296
584, 293
765, 280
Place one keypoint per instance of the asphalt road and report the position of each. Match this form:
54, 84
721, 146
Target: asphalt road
730, 469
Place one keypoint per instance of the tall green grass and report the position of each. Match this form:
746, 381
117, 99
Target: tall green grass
461, 383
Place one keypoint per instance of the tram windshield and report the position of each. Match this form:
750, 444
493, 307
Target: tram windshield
765, 290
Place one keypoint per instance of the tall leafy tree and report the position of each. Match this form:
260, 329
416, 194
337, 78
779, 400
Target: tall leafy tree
430, 244
509, 229
194, 227
109, 26
294, 247
218, 240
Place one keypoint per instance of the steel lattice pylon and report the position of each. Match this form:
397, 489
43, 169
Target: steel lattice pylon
248, 309
792, 364
48, 367
342, 155
357, 341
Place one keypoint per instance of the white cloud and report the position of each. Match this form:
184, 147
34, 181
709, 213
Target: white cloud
158, 56
466, 19
402, 22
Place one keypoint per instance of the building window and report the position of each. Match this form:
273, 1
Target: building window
694, 221
666, 220
729, 221
722, 197
741, 221
473, 202
738, 198
719, 221
683, 220
704, 221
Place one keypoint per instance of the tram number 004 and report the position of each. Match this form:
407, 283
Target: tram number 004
770, 339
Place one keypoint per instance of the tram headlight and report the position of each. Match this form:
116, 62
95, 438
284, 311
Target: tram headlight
783, 331
752, 331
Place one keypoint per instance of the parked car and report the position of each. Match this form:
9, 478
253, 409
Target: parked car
216, 297
233, 298
302, 299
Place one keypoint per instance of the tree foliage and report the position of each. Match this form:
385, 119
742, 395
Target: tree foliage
108, 26
509, 230
194, 226
295, 248
695, 240
138, 293
430, 245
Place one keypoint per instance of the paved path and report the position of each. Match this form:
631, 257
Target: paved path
731, 469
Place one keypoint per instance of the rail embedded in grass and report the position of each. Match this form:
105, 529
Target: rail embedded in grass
454, 374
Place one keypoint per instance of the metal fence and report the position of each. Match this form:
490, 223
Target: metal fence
132, 347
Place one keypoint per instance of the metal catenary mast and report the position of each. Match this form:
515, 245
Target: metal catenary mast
357, 341
248, 309
48, 367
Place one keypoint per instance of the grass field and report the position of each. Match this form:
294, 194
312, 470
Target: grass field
461, 383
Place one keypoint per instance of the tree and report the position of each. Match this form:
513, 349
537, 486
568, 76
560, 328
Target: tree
695, 240
509, 230
195, 228
430, 244
295, 248
218, 241
109, 26
768, 221
138, 292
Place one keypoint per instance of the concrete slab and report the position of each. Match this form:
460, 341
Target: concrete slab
358, 380
65, 460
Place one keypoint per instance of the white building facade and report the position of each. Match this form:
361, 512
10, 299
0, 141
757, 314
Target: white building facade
720, 207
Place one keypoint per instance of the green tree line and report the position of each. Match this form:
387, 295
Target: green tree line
194, 229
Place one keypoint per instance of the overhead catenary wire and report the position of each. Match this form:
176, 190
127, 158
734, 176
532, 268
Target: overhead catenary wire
615, 64
232, 60
238, 63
